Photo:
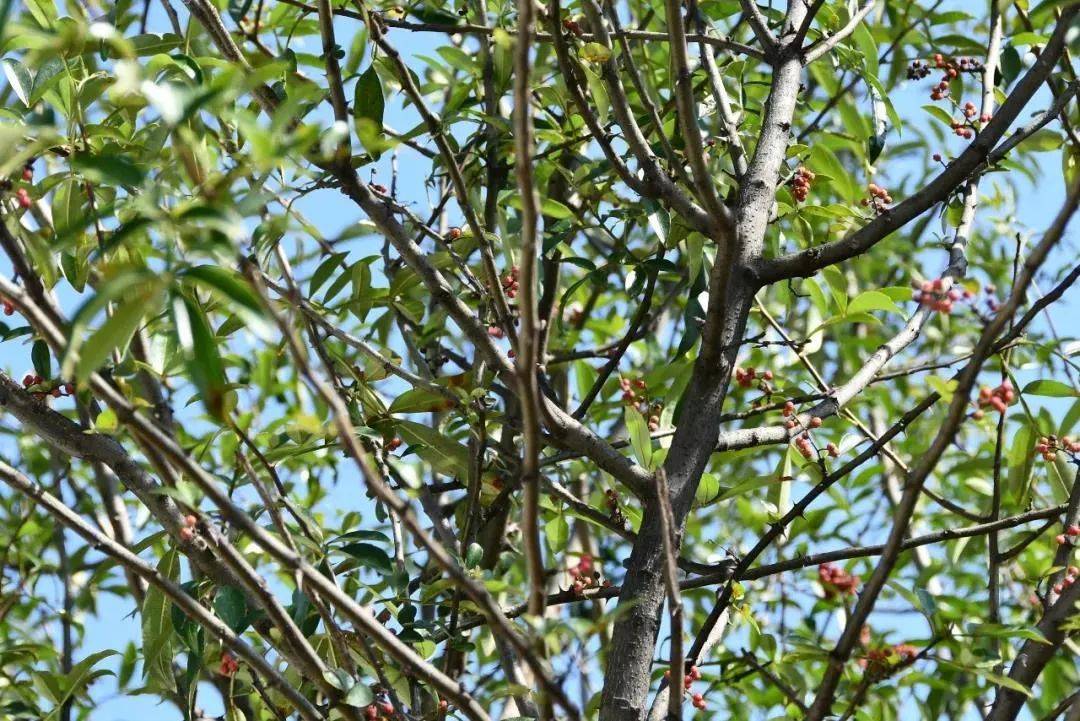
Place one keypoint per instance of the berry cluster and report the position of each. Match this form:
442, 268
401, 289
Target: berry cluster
573, 25
951, 68
879, 199
22, 195
800, 183
1071, 575
998, 398
692, 674
58, 390
970, 111
962, 129
802, 442
614, 510
836, 581
937, 295
1069, 536
188, 531
918, 70
627, 387
965, 128
745, 377
1048, 446
878, 662
640, 400
380, 709
510, 282
585, 576
229, 665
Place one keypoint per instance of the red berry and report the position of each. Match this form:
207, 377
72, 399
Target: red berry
371, 712
28, 173
229, 665
815, 422
1073, 530
24, 198
1060, 539
832, 450
186, 534
29, 379
937, 157
190, 521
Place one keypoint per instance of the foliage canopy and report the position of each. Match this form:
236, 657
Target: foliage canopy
492, 359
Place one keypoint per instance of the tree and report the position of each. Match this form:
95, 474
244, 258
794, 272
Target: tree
500, 359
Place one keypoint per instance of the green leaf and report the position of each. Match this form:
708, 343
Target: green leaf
157, 628
78, 678
359, 695
994, 678
1043, 141
944, 387
640, 441
19, 79
113, 335
1049, 387
1020, 462
109, 169
939, 113
42, 359
554, 209
228, 285
201, 355
238, 9
445, 454
230, 605
557, 533
68, 216
708, 490
474, 554
594, 52
370, 557
369, 105
419, 400
873, 300
599, 94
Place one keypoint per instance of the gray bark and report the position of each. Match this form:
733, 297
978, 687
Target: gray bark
731, 293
